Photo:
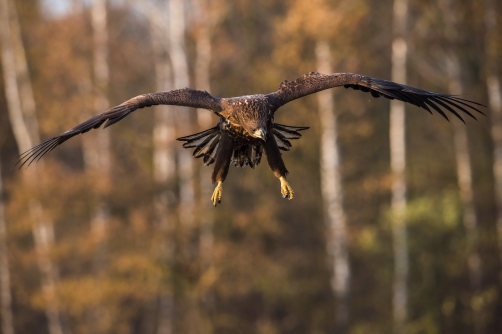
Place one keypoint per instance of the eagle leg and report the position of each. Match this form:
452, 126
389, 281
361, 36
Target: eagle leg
221, 165
217, 193
286, 190
277, 166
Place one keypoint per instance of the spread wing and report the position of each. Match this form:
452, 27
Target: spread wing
180, 97
315, 82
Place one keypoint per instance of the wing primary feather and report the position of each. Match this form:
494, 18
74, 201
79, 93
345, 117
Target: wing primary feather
43, 151
445, 105
38, 152
402, 96
465, 100
460, 101
32, 149
430, 103
47, 150
26, 156
423, 105
446, 100
419, 99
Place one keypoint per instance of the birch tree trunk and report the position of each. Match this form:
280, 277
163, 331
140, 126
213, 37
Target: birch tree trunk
23, 122
164, 154
97, 152
495, 104
187, 308
99, 158
463, 160
5, 292
182, 116
204, 120
332, 193
398, 166
464, 174
164, 162
204, 21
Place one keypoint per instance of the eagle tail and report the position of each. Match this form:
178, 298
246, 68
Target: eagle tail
206, 145
247, 155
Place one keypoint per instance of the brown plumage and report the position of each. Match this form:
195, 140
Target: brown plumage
247, 129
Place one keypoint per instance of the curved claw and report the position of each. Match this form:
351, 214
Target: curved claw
217, 193
286, 190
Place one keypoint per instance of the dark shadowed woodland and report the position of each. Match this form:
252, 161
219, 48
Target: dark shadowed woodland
396, 221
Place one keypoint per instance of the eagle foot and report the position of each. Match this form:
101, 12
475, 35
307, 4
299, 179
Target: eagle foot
217, 193
286, 190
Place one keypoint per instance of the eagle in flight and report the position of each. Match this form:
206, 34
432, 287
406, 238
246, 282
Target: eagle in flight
246, 127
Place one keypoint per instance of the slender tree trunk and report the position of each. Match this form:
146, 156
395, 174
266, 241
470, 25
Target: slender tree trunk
164, 162
464, 173
164, 156
23, 76
332, 192
97, 151
5, 292
23, 123
181, 80
101, 160
464, 170
495, 103
204, 120
398, 166
187, 308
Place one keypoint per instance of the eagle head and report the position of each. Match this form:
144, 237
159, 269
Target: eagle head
256, 127
251, 112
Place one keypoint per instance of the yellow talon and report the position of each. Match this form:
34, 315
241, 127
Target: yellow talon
286, 190
217, 193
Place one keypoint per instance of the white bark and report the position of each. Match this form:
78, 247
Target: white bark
187, 303
332, 193
43, 233
23, 78
101, 81
19, 126
101, 150
181, 79
495, 103
204, 120
98, 153
5, 290
164, 166
16, 81
398, 167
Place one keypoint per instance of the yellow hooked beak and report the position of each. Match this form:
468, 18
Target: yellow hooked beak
261, 133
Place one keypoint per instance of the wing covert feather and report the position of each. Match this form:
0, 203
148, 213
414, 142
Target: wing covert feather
186, 97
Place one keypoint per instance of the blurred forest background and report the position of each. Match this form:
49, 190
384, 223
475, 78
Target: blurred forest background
114, 231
